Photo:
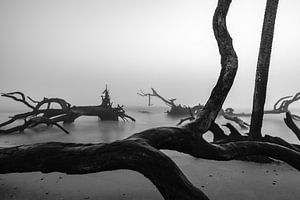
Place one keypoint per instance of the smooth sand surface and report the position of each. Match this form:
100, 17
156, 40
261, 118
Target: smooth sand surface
219, 180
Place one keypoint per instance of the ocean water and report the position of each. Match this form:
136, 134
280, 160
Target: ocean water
93, 130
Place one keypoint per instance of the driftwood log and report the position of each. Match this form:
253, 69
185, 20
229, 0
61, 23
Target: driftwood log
175, 109
281, 106
66, 113
183, 110
140, 152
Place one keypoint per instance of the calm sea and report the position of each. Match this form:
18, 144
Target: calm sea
92, 130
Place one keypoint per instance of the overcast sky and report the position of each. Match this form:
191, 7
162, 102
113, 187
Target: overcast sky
72, 48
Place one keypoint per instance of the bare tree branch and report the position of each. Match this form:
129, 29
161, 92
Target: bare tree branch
289, 122
32, 122
22, 99
281, 106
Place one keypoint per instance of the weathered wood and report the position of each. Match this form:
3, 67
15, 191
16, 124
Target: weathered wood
281, 106
66, 113
234, 118
176, 110
22, 99
218, 133
73, 158
262, 70
289, 122
229, 63
32, 122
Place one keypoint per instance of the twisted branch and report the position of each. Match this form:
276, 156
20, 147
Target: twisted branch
229, 63
13, 96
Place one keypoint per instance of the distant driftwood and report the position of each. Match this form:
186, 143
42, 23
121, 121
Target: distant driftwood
66, 113
179, 110
280, 107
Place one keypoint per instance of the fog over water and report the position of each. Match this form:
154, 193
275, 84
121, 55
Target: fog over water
71, 49
92, 130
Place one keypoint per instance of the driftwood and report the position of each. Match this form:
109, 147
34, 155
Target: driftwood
175, 110
66, 113
289, 122
140, 152
262, 69
182, 110
280, 107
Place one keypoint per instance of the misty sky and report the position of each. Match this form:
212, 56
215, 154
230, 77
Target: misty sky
72, 48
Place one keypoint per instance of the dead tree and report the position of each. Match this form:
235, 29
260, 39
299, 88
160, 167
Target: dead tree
140, 152
262, 70
282, 105
176, 110
66, 113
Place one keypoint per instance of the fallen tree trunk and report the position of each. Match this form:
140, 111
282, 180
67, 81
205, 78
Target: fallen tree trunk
66, 113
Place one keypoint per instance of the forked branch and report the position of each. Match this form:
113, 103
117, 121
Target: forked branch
14, 96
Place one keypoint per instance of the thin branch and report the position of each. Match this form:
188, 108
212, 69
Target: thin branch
32, 123
22, 99
169, 102
275, 107
32, 100
190, 118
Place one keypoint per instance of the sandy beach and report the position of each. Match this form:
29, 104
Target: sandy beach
219, 180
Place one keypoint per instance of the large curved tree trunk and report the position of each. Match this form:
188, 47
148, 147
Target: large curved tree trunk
229, 63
